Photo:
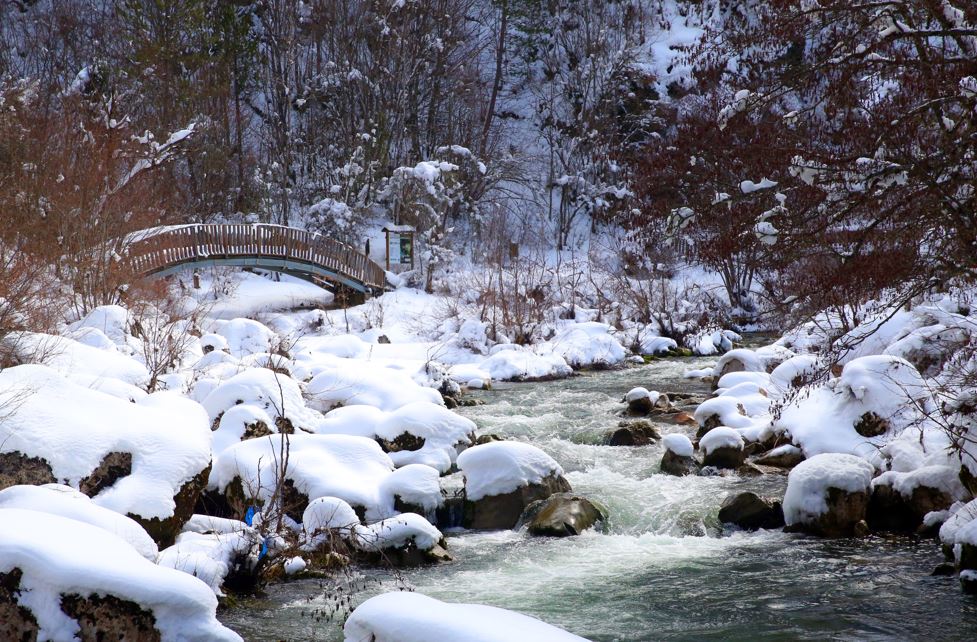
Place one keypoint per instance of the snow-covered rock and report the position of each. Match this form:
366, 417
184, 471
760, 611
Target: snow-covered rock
63, 571
350, 468
230, 549
412, 617
584, 345
502, 478
245, 336
346, 382
901, 500
677, 459
278, 395
828, 494
147, 459
722, 447
516, 363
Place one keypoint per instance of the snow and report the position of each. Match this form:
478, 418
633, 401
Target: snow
235, 421
245, 336
294, 565
345, 382
278, 395
350, 468
721, 437
412, 617
439, 427
396, 532
72, 358
67, 502
642, 393
325, 514
802, 365
809, 481
943, 478
74, 428
501, 467
657, 345
209, 556
963, 515
678, 444
728, 409
523, 364
586, 344
61, 556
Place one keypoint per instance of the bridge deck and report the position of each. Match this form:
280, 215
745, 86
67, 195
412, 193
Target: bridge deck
273, 247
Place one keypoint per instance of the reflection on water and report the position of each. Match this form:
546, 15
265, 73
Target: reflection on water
664, 570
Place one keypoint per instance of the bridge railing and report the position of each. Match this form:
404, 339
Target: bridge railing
188, 243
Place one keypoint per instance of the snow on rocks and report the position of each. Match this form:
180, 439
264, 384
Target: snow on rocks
641, 400
763, 359
678, 457
901, 500
325, 515
510, 362
241, 422
873, 401
65, 574
405, 540
502, 478
147, 459
245, 336
73, 359
413, 617
721, 411
722, 447
586, 345
345, 382
216, 551
353, 469
828, 494
65, 501
278, 395
795, 372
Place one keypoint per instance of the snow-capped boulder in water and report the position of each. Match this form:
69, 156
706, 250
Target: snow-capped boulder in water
61, 579
751, 512
517, 363
900, 501
148, 460
720, 411
404, 540
678, 460
722, 447
587, 345
502, 478
350, 468
828, 495
413, 617
764, 359
641, 401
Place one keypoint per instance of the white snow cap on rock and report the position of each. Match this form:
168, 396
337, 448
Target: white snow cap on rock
678, 444
412, 617
396, 532
326, 514
276, 394
74, 428
809, 481
720, 437
503, 466
68, 502
61, 556
353, 469
346, 382
642, 393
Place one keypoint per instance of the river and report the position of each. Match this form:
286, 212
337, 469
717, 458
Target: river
664, 569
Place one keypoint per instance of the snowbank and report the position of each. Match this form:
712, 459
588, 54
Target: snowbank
412, 617
509, 362
501, 467
211, 555
584, 345
72, 358
60, 556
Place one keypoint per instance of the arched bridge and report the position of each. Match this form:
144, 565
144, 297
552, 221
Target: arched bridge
313, 257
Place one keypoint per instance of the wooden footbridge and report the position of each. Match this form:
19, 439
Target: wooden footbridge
313, 257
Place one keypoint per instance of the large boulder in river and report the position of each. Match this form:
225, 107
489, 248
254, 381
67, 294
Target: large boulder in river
678, 460
751, 512
503, 478
722, 447
633, 433
900, 501
828, 495
561, 515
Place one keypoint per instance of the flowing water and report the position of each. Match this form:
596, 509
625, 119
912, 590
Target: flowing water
664, 569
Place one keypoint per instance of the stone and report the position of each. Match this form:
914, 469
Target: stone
725, 457
782, 458
402, 442
677, 465
164, 531
946, 569
113, 467
871, 425
889, 510
633, 433
17, 468
561, 515
845, 511
751, 512
495, 512
487, 439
